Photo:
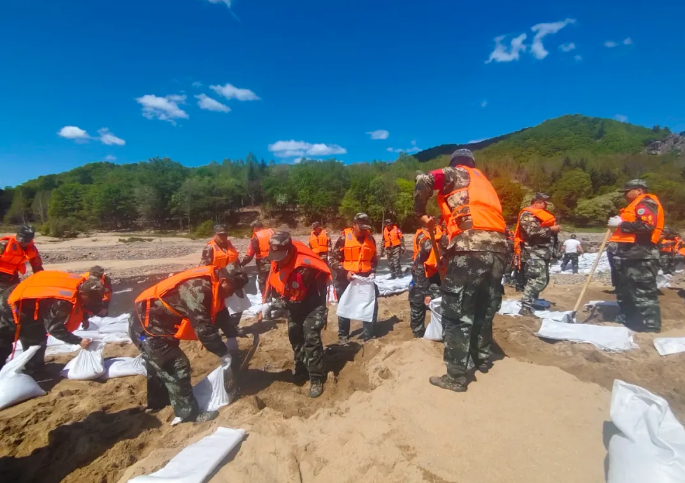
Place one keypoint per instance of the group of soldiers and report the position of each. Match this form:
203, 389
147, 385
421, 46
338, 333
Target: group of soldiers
461, 256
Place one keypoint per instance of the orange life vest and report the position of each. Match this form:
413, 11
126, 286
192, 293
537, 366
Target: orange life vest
357, 255
49, 285
546, 218
431, 264
392, 237
484, 206
222, 257
628, 214
319, 243
107, 296
14, 258
278, 277
263, 237
185, 330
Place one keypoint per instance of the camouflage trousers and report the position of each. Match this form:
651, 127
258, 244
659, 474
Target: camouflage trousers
637, 294
471, 296
570, 257
417, 307
613, 267
667, 263
304, 332
31, 333
536, 272
263, 269
394, 255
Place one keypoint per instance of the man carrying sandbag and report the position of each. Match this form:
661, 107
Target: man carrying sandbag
47, 302
185, 306
354, 254
297, 284
476, 257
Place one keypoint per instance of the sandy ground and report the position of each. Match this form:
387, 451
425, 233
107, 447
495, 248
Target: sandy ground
540, 415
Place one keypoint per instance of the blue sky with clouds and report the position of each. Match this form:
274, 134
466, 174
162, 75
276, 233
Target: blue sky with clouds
203, 80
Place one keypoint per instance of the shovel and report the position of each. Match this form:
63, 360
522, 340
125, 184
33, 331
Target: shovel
570, 318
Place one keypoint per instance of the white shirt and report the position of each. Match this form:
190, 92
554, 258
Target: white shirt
571, 246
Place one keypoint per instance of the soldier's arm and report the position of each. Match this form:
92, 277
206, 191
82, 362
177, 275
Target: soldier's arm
423, 190
401, 235
337, 256
374, 260
207, 256
530, 226
252, 250
197, 300
55, 320
420, 278
645, 219
36, 262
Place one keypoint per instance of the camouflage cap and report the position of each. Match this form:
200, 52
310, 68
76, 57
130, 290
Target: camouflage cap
634, 185
463, 157
25, 233
257, 224
540, 197
235, 276
388, 221
316, 224
92, 288
279, 246
220, 229
362, 219
97, 272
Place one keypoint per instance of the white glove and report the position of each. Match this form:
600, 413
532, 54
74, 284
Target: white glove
226, 361
614, 221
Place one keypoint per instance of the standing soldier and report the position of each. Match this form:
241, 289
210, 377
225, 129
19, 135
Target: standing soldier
393, 243
98, 273
476, 258
219, 251
47, 302
667, 250
425, 277
319, 241
185, 306
259, 250
637, 232
572, 250
355, 254
534, 238
298, 283
15, 251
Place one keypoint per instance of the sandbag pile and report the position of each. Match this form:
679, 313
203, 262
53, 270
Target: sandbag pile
15, 386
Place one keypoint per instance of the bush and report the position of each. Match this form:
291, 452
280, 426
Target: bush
134, 239
596, 211
204, 230
64, 227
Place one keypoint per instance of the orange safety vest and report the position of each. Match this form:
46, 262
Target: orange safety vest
319, 243
484, 206
392, 237
263, 237
49, 285
14, 258
546, 220
278, 278
628, 214
185, 330
431, 264
222, 257
357, 255
107, 296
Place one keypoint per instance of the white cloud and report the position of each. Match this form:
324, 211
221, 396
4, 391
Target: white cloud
541, 31
504, 54
108, 138
73, 132
197, 84
109, 157
473, 141
610, 44
225, 2
163, 108
292, 148
413, 149
567, 47
380, 134
627, 41
229, 91
578, 58
210, 104
621, 117
484, 103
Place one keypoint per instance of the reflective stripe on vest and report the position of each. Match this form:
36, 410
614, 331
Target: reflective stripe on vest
357, 255
305, 257
628, 214
263, 237
222, 257
546, 220
484, 207
14, 258
391, 237
184, 330
319, 243
431, 264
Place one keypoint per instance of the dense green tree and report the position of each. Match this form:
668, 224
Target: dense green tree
572, 187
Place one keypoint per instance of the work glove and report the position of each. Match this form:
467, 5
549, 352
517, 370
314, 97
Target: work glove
614, 221
226, 361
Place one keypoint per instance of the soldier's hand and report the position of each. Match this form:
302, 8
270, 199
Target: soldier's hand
427, 300
85, 343
350, 276
555, 228
428, 221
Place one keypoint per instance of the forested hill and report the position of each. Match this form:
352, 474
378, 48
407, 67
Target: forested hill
578, 160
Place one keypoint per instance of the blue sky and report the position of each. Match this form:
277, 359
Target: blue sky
203, 80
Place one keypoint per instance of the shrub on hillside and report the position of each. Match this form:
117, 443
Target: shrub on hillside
64, 227
596, 211
204, 229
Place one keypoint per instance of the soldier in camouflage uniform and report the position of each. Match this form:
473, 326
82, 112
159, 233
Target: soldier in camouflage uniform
476, 258
668, 250
98, 273
637, 232
423, 288
254, 251
391, 235
298, 285
49, 317
537, 245
168, 368
10, 265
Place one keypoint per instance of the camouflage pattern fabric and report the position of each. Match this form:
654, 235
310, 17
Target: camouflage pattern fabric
263, 269
667, 263
536, 273
611, 257
394, 255
637, 294
538, 241
573, 259
471, 296
304, 332
417, 307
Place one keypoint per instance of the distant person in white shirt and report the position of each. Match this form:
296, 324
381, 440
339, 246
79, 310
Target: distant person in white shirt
572, 250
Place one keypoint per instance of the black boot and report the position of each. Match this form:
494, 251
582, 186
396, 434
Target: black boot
484, 366
315, 388
446, 382
300, 374
367, 334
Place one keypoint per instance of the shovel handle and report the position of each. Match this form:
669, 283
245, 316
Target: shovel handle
592, 271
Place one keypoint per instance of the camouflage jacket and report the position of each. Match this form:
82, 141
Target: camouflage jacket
312, 285
446, 181
418, 269
337, 256
6, 280
538, 240
208, 253
192, 299
642, 227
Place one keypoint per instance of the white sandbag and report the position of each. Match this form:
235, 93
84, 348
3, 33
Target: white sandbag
237, 304
124, 366
585, 262
197, 461
601, 303
666, 346
650, 447
331, 297
510, 307
663, 281
357, 303
210, 392
87, 365
108, 325
612, 339
434, 330
391, 286
15, 386
257, 306
557, 316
